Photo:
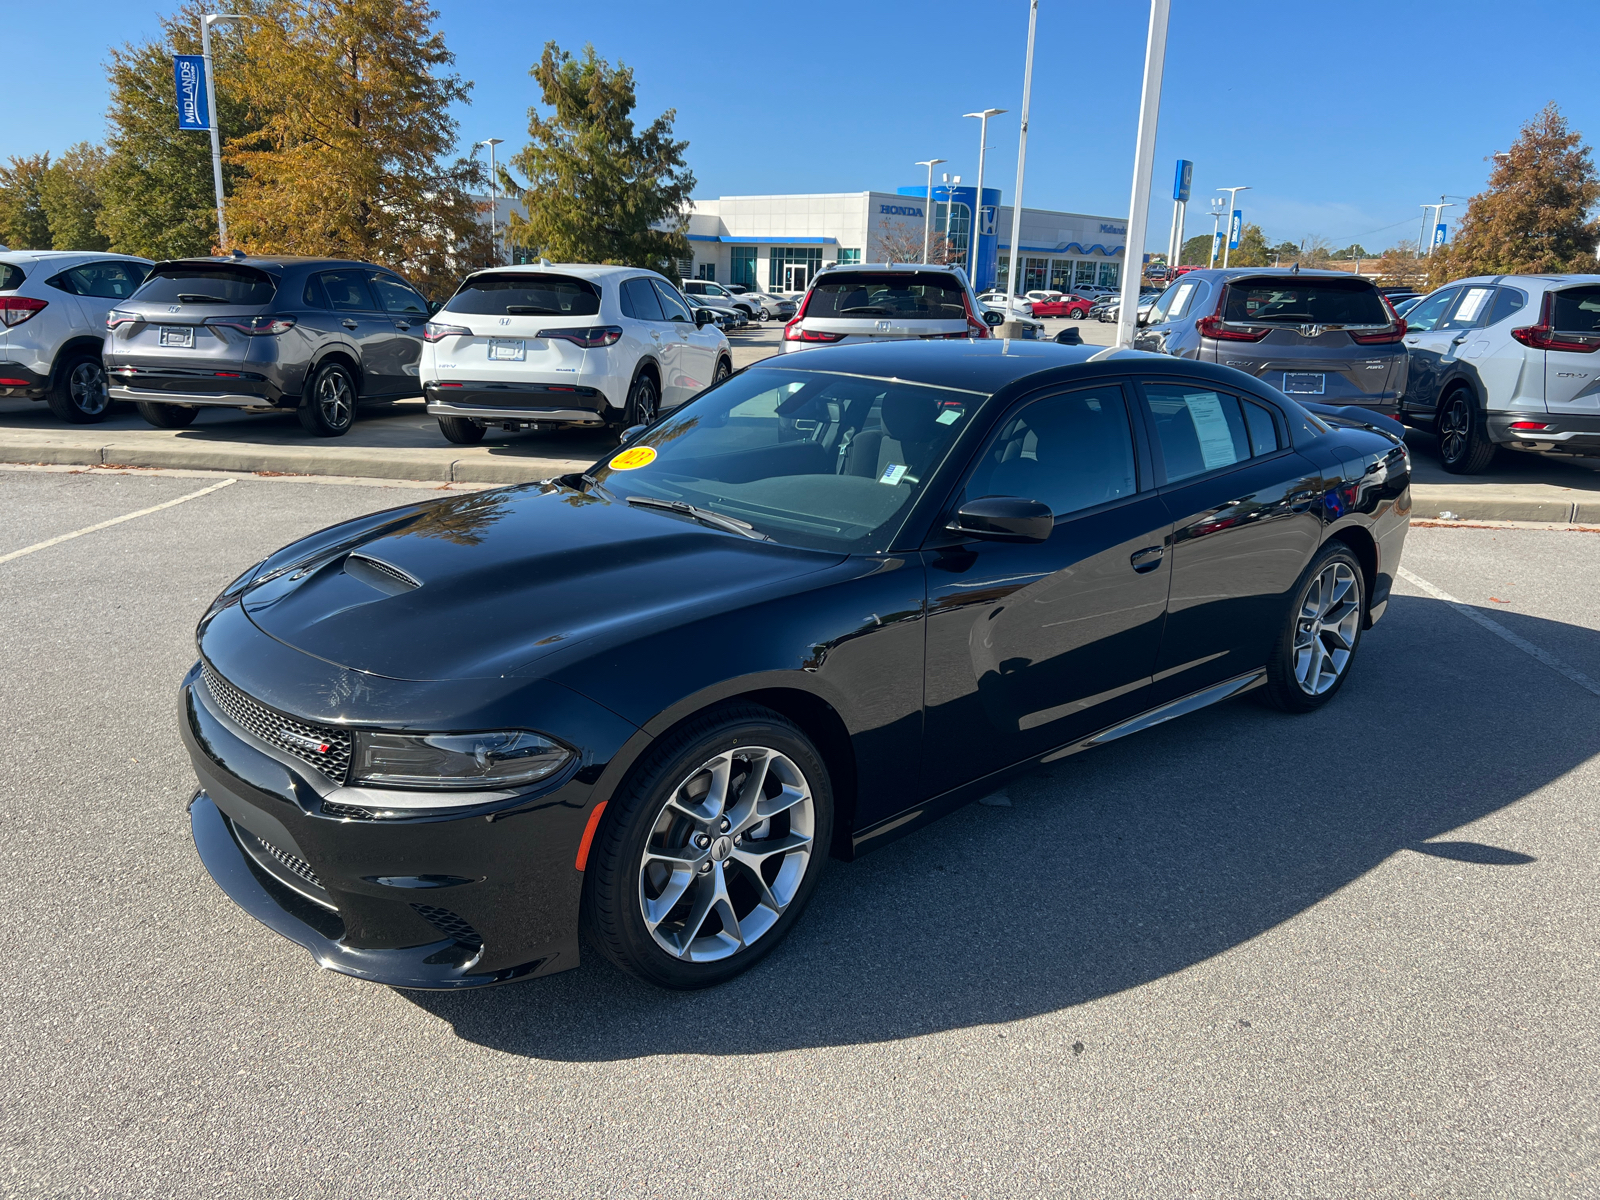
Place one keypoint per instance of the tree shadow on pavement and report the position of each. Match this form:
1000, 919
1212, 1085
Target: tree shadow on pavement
1113, 868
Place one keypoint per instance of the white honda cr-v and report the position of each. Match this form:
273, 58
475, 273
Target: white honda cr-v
563, 344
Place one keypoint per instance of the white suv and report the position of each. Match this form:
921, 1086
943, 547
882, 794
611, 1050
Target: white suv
53, 306
866, 302
565, 344
709, 289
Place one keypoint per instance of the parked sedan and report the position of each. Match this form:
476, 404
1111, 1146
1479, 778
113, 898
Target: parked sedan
1068, 305
651, 700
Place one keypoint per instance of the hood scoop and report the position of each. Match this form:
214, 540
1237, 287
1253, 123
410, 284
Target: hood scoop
374, 572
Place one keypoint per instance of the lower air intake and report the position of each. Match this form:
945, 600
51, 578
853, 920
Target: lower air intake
452, 926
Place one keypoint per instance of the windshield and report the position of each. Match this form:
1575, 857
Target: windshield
1303, 302
927, 294
529, 295
204, 283
810, 459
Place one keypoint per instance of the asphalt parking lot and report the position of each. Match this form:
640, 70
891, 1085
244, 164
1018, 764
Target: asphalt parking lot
1241, 954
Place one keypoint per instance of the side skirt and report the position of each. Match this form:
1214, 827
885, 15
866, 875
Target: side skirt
932, 809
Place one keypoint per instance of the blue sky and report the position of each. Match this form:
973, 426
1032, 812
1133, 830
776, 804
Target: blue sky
1343, 117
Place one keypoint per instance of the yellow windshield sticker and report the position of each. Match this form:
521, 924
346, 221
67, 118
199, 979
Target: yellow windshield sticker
633, 459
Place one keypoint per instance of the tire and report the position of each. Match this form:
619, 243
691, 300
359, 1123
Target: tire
167, 416
723, 371
651, 917
328, 408
764, 315
79, 393
1464, 445
461, 430
1078, 314
1311, 655
644, 404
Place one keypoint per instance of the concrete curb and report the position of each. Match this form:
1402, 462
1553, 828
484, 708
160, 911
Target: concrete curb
1504, 502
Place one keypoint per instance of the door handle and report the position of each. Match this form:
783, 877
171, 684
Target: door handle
348, 323
1147, 559
1459, 340
1300, 501
402, 324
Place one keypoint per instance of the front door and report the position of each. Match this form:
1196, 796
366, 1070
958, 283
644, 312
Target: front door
1426, 346
1245, 524
794, 278
397, 355
694, 360
1031, 646
1572, 372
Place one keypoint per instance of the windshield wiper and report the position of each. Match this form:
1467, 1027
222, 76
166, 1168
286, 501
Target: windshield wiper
531, 310
703, 515
192, 298
865, 308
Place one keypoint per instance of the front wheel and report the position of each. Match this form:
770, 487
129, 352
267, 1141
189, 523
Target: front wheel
330, 408
707, 855
1464, 445
463, 431
1078, 314
167, 416
723, 371
1321, 631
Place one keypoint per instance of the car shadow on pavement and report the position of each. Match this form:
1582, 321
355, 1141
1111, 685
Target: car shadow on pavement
1114, 868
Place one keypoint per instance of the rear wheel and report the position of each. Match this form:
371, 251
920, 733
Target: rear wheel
329, 409
167, 416
79, 394
461, 430
1320, 633
644, 404
1464, 445
1079, 314
708, 854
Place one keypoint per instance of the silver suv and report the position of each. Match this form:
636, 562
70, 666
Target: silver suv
1323, 336
53, 306
866, 302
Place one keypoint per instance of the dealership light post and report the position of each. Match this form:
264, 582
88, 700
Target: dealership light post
1216, 226
927, 209
1144, 153
977, 210
1438, 214
1022, 160
1180, 209
494, 199
1233, 199
207, 20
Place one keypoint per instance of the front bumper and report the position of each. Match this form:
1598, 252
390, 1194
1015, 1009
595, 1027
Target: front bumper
490, 401
1573, 433
462, 899
31, 384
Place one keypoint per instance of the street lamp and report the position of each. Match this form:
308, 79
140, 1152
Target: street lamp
494, 199
951, 183
927, 211
1216, 223
1233, 198
1438, 210
1144, 152
977, 211
1022, 159
207, 20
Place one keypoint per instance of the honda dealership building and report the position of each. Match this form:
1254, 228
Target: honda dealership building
776, 243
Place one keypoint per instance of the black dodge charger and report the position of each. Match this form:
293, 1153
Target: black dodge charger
834, 597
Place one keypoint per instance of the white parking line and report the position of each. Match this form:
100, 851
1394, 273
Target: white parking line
1500, 631
143, 512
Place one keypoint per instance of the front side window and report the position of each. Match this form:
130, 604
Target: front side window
807, 458
1471, 310
347, 291
525, 294
932, 295
1289, 301
1170, 304
208, 283
396, 297
1071, 452
1199, 430
1425, 315
672, 304
1577, 310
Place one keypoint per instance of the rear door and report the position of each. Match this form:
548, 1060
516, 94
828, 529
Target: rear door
1572, 368
397, 355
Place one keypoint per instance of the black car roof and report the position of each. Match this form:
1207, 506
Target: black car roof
270, 262
980, 365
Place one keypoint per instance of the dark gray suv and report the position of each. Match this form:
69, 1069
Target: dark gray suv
1319, 335
312, 334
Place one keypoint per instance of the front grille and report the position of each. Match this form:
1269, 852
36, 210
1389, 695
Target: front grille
452, 926
298, 867
289, 734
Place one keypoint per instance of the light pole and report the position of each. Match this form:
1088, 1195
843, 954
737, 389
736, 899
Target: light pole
977, 211
1216, 223
1233, 198
1438, 212
951, 183
927, 211
207, 20
1144, 152
1022, 160
494, 199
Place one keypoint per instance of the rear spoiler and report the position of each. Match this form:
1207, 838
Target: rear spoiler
1351, 414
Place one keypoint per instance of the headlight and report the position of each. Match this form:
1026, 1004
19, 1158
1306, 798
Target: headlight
455, 760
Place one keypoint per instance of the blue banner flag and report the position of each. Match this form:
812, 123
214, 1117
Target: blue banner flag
1180, 183
189, 72
1438, 234
1235, 228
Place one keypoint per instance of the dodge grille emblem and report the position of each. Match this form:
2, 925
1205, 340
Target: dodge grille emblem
315, 745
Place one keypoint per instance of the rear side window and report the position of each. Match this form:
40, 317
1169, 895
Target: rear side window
1199, 430
1261, 428
1471, 311
530, 294
105, 280
921, 294
1506, 301
1577, 310
347, 291
1304, 302
11, 277
639, 301
207, 283
315, 297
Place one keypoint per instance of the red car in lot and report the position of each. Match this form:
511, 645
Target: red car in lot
1068, 305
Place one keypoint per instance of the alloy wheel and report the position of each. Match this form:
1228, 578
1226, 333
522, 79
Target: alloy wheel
333, 399
727, 854
87, 384
1326, 628
1455, 428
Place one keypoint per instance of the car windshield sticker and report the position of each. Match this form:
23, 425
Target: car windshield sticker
949, 416
1211, 427
1471, 305
893, 474
633, 459
1179, 299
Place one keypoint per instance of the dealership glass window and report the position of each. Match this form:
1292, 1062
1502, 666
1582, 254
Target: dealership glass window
1083, 274
1110, 273
809, 257
846, 257
955, 222
705, 270
1002, 272
742, 265
1061, 274
1034, 273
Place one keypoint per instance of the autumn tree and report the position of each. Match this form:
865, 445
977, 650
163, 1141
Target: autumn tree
157, 195
23, 223
598, 189
902, 243
1400, 266
347, 156
1534, 217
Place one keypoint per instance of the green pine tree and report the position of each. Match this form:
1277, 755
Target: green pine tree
598, 189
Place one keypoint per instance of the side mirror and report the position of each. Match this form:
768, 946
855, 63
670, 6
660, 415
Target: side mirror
703, 317
434, 306
992, 318
631, 432
1141, 318
1004, 519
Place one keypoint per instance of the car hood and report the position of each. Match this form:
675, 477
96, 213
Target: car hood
505, 582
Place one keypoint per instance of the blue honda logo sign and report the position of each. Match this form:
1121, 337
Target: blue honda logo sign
189, 72
899, 210
1180, 184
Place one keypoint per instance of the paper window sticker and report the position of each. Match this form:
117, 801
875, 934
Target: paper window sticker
1211, 427
1471, 304
950, 416
893, 474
